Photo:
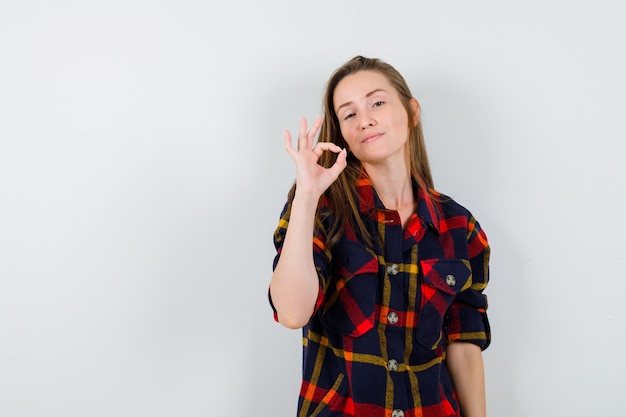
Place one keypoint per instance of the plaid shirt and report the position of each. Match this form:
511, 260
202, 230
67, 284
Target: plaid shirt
375, 345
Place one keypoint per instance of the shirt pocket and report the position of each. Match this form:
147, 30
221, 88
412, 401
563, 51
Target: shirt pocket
332, 399
441, 281
350, 301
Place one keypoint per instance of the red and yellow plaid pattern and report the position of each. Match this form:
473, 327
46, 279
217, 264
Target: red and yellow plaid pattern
375, 345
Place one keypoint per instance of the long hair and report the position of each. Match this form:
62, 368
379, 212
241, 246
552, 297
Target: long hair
342, 195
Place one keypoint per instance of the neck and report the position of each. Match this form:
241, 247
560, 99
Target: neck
393, 185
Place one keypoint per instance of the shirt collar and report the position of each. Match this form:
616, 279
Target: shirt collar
369, 202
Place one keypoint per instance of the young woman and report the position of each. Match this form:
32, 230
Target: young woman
384, 274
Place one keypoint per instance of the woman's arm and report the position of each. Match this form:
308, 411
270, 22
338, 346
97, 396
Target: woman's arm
465, 364
294, 286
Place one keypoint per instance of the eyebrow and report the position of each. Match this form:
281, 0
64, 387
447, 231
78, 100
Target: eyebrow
366, 95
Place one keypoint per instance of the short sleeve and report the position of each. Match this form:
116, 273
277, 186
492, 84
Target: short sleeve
467, 317
321, 255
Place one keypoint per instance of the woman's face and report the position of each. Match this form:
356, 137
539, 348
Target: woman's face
372, 118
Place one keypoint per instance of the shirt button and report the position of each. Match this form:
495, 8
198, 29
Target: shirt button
397, 413
392, 318
392, 269
393, 365
450, 280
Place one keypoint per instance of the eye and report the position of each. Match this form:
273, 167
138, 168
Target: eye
378, 103
349, 116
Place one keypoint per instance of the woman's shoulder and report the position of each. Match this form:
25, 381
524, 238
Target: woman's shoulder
449, 206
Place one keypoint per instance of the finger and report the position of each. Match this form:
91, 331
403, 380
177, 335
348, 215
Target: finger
340, 164
317, 123
302, 137
288, 143
320, 147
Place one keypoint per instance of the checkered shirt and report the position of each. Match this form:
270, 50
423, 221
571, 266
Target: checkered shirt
376, 343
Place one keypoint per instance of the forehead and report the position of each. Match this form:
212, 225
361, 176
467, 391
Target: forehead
359, 84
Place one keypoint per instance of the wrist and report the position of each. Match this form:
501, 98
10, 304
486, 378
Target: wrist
308, 198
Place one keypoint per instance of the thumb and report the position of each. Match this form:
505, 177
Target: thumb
340, 164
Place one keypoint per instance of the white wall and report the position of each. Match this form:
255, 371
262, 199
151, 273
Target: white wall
142, 172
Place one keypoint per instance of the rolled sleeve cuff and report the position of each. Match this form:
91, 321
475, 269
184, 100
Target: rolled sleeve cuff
468, 324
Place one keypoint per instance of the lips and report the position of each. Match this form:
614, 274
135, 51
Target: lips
371, 138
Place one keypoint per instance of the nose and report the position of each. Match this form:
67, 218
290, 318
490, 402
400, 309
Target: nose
367, 121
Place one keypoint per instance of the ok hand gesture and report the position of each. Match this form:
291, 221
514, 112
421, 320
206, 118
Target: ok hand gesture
311, 178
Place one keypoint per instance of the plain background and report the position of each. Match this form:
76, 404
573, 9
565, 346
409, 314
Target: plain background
142, 173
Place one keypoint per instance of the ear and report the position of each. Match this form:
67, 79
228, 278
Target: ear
415, 111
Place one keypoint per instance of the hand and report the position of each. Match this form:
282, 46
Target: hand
311, 177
